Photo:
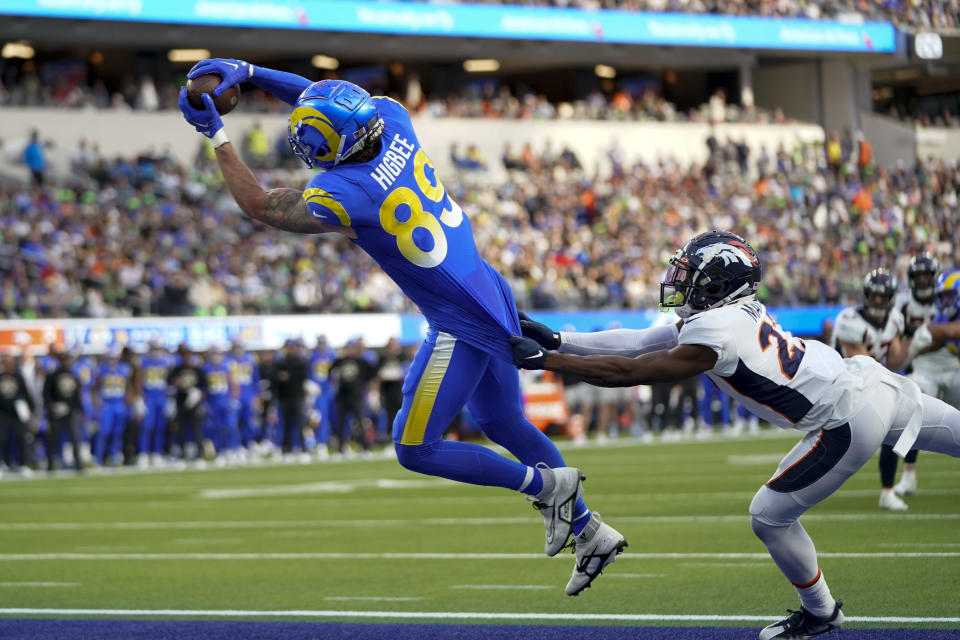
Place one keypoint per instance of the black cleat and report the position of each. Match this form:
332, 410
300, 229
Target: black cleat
803, 624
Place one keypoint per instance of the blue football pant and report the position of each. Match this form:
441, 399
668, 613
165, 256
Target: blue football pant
447, 374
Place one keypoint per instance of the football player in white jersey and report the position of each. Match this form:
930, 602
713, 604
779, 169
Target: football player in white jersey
846, 408
874, 328
933, 372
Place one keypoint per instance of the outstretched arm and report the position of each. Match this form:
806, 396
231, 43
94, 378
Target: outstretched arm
280, 208
665, 365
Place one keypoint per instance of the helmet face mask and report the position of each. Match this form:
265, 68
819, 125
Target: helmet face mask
332, 121
712, 270
879, 291
922, 277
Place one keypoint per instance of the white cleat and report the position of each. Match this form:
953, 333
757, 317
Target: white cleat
907, 486
802, 624
598, 545
557, 507
890, 502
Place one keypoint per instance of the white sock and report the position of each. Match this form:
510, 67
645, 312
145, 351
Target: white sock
908, 473
816, 597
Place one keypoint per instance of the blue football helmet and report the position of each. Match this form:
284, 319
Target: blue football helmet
947, 294
332, 120
713, 269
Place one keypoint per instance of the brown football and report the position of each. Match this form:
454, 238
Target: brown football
206, 83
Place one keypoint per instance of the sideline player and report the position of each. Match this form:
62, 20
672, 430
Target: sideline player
874, 328
378, 188
846, 407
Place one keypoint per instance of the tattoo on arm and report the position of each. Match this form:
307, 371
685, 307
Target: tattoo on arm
285, 209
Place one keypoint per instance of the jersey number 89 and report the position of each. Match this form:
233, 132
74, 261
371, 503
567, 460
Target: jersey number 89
420, 219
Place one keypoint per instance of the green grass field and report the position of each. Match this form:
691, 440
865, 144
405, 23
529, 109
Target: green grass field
347, 537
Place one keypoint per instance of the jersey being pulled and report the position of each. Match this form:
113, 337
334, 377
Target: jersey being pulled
792, 383
405, 220
853, 327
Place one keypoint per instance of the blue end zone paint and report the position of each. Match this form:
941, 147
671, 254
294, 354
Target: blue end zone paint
236, 630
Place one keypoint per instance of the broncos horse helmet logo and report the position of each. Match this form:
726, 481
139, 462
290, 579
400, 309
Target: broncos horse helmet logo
728, 252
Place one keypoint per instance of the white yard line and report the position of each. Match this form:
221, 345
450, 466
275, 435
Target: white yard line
39, 584
494, 587
442, 615
376, 598
15, 557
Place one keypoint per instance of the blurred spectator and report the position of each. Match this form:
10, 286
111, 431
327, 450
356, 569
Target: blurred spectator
34, 158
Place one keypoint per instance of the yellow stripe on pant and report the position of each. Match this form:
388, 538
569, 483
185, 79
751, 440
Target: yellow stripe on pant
427, 389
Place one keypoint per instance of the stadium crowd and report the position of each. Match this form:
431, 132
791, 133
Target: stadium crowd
906, 14
145, 235
66, 84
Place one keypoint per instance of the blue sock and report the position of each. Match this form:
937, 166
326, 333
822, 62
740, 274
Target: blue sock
535, 485
581, 518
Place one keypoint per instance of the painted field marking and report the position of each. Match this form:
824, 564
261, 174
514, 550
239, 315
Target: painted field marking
376, 598
493, 587
343, 486
738, 565
206, 541
442, 615
327, 524
14, 557
39, 584
635, 575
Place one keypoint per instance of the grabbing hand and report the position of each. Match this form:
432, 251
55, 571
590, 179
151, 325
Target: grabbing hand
231, 71
544, 335
527, 354
207, 121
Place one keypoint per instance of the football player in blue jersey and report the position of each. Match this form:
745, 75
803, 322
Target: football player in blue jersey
156, 364
113, 376
378, 187
246, 375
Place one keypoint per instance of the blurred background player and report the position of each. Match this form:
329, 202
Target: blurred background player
189, 383
222, 405
111, 397
322, 415
156, 367
17, 408
61, 401
246, 376
874, 328
290, 374
391, 369
373, 171
352, 374
918, 308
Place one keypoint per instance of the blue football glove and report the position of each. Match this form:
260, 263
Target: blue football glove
207, 121
232, 71
544, 335
527, 354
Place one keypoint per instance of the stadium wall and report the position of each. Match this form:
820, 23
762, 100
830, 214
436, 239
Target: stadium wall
126, 133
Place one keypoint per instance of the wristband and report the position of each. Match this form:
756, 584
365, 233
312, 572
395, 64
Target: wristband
219, 138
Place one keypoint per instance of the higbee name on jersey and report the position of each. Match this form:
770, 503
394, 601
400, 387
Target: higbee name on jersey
792, 383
